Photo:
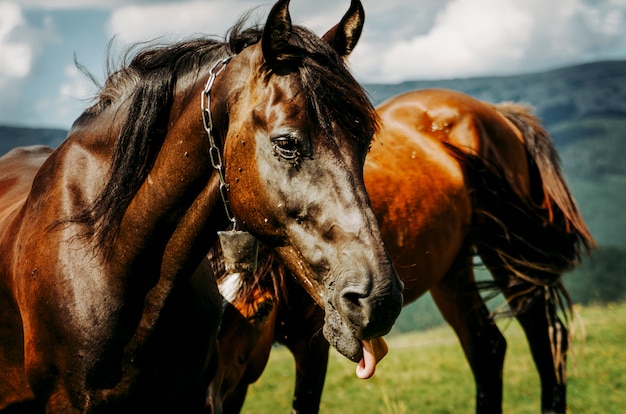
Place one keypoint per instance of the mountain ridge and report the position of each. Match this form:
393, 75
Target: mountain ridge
590, 89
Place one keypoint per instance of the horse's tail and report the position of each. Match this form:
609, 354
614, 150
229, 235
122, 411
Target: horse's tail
531, 239
557, 199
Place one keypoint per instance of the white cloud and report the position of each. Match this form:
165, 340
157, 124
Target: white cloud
72, 97
82, 4
468, 35
139, 22
490, 37
175, 20
76, 85
15, 55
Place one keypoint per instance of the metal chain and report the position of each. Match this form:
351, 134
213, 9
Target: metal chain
207, 119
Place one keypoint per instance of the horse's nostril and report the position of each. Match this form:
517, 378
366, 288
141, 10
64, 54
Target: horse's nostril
353, 298
354, 304
370, 312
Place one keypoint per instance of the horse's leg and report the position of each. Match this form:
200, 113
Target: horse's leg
551, 368
299, 328
463, 308
233, 403
548, 342
311, 356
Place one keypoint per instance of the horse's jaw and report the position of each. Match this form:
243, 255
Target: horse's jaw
342, 335
366, 352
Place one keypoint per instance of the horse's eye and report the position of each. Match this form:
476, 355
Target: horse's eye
286, 147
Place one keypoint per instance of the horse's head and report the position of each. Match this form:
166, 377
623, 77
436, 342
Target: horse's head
296, 127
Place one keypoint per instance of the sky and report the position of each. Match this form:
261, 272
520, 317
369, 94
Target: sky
402, 40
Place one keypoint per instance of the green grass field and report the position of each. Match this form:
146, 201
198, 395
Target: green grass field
426, 372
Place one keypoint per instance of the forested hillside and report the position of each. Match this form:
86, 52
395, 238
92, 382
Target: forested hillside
594, 89
11, 137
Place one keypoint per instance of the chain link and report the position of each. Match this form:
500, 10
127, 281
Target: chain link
214, 151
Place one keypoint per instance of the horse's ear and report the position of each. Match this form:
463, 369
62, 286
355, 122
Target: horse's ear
275, 42
345, 35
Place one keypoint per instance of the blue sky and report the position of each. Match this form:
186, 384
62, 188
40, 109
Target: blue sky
402, 40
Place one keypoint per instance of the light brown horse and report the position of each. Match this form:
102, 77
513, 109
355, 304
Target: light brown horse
449, 176
106, 304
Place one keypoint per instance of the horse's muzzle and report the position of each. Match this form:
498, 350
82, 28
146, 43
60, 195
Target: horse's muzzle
371, 311
360, 308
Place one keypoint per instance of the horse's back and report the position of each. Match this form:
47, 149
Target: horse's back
469, 125
19, 166
24, 161
32, 154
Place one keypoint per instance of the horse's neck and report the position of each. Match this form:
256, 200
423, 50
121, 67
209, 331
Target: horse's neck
174, 210
174, 214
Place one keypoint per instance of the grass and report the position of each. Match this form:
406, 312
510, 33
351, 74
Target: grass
427, 372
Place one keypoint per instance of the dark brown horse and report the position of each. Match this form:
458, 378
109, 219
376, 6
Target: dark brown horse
448, 177
106, 304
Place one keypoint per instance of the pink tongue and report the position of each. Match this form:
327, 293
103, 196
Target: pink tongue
373, 351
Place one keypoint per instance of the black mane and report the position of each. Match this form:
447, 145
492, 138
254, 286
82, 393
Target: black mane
335, 99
